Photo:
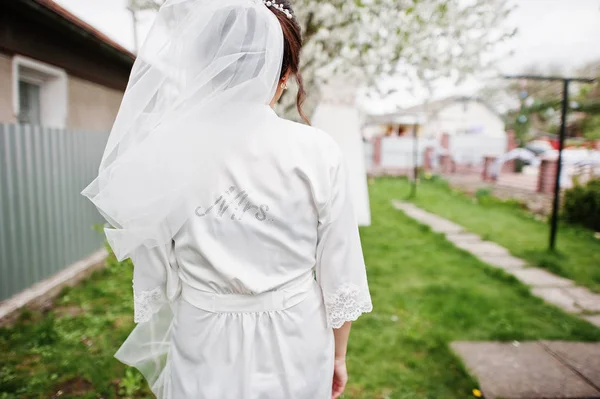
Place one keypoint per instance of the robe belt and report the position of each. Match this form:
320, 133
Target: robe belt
290, 295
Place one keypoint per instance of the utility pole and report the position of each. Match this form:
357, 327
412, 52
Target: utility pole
413, 191
134, 19
561, 142
135, 6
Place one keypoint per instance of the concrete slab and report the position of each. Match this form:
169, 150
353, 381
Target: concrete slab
540, 278
463, 237
410, 209
556, 296
590, 306
436, 223
583, 357
415, 212
505, 262
586, 299
401, 205
525, 371
423, 217
482, 248
444, 226
594, 319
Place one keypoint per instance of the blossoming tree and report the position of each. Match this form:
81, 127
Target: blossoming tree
366, 40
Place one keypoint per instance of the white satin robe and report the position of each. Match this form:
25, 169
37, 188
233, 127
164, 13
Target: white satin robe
242, 304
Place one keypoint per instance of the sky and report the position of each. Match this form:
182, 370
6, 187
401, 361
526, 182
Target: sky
564, 33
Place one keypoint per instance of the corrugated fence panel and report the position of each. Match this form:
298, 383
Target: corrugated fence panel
45, 224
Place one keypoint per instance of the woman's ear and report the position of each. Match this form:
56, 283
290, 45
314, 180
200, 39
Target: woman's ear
281, 86
286, 76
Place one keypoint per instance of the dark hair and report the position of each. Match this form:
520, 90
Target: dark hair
292, 44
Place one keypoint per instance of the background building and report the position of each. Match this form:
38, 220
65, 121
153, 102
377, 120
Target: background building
56, 70
453, 115
456, 131
61, 84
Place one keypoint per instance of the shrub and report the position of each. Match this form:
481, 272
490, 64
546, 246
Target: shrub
482, 194
519, 165
582, 205
485, 197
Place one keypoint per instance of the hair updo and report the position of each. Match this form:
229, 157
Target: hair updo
292, 44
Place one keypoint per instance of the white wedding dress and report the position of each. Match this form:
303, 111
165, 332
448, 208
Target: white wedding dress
250, 320
240, 224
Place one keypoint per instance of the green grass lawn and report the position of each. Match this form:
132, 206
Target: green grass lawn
578, 252
426, 293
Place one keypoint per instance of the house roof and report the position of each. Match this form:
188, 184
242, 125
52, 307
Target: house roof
438, 105
418, 111
81, 27
44, 31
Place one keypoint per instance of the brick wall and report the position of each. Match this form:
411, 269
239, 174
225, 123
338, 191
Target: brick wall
547, 176
488, 162
509, 166
538, 203
428, 159
377, 151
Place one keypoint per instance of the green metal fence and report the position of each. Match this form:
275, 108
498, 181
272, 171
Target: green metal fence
45, 224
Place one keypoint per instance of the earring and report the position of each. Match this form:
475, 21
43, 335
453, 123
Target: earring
284, 86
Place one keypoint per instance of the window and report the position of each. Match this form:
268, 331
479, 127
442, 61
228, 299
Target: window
29, 103
39, 93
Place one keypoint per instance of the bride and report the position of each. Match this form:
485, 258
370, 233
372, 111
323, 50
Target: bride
248, 268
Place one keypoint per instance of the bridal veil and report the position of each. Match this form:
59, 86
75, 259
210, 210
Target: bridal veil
203, 64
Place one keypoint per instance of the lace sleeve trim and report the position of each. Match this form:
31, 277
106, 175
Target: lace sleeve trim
347, 304
147, 303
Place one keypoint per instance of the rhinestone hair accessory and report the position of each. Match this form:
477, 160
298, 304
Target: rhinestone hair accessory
278, 6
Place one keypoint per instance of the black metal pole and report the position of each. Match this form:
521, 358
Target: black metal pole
561, 142
413, 191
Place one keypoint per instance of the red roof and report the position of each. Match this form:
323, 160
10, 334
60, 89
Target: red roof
95, 33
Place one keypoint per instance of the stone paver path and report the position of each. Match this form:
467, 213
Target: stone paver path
540, 278
553, 289
532, 370
595, 319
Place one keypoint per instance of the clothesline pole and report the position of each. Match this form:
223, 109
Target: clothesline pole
561, 144
561, 141
413, 190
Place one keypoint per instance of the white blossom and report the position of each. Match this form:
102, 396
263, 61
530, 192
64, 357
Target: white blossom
363, 41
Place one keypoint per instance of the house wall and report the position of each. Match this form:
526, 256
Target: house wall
45, 37
6, 106
91, 106
471, 116
93, 73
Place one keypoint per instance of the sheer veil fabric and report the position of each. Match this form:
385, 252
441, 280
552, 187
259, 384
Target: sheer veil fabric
239, 224
203, 64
